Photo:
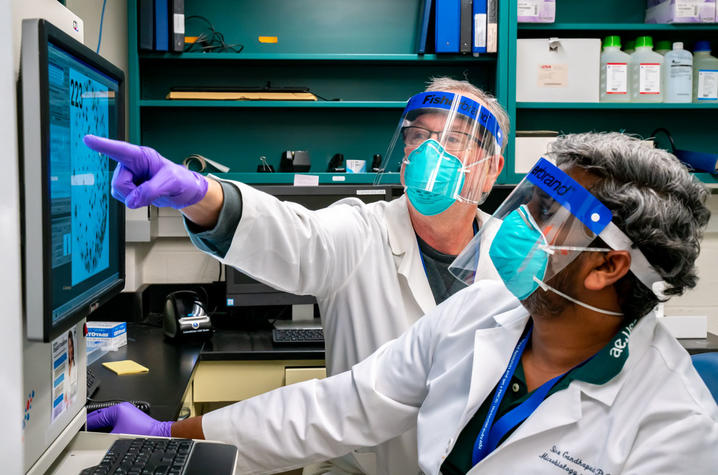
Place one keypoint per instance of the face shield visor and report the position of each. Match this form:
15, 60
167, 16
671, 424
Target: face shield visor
541, 227
447, 148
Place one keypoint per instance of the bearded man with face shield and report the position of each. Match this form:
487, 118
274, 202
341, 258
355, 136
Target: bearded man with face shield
555, 364
374, 269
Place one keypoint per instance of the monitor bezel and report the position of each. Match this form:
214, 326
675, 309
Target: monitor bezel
36, 36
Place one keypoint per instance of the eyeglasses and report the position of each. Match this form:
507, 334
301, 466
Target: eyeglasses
453, 141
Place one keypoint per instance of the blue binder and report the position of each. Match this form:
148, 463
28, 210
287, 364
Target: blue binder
448, 19
162, 30
424, 15
478, 45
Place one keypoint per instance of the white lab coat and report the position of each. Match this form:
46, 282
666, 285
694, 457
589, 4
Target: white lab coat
363, 264
655, 417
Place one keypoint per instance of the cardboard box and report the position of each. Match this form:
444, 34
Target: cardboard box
530, 146
108, 335
536, 11
557, 69
681, 11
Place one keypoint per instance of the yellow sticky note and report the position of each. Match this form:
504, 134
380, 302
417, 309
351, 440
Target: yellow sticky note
125, 367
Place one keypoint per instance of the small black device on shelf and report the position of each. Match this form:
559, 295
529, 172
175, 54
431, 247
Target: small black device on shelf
294, 161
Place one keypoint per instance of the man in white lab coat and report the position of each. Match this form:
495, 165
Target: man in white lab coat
577, 376
374, 269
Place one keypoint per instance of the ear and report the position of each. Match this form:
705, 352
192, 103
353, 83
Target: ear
496, 166
606, 269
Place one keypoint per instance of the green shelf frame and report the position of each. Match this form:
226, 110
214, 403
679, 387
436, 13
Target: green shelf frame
324, 178
617, 26
612, 105
275, 104
318, 57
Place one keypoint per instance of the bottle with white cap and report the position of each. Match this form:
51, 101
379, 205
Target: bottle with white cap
705, 74
678, 74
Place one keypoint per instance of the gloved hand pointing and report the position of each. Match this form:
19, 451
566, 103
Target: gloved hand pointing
125, 418
145, 177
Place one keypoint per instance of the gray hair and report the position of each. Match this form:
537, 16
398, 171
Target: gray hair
654, 200
465, 87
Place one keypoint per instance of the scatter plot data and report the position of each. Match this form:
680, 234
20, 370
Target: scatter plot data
90, 179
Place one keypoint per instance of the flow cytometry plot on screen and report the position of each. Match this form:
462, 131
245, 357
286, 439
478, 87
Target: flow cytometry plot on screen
90, 178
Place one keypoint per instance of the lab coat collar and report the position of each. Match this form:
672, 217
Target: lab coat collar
405, 248
638, 343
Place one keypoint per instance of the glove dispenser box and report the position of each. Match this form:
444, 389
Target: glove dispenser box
557, 69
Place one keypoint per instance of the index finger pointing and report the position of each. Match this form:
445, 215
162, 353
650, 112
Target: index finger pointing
123, 152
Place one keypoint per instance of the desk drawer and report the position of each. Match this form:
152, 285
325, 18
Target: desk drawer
297, 375
229, 381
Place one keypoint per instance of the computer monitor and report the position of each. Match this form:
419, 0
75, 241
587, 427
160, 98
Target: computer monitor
243, 291
74, 234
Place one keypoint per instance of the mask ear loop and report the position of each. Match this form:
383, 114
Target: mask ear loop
545, 287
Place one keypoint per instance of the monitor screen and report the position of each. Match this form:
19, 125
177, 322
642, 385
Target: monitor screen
74, 228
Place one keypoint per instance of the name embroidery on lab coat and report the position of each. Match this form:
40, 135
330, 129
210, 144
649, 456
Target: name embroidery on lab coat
620, 343
565, 461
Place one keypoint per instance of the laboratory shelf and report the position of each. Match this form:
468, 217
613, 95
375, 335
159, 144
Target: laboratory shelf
324, 178
275, 104
617, 26
709, 179
319, 57
612, 105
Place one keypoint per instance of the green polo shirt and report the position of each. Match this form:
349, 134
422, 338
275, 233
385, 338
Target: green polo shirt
606, 364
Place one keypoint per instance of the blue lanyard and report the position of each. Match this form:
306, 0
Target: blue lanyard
491, 433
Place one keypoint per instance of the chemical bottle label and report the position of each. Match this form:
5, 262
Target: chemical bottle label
707, 85
649, 78
616, 78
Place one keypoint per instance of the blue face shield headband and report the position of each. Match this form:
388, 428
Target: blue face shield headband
447, 148
542, 226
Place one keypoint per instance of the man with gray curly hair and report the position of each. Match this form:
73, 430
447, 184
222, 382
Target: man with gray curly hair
558, 366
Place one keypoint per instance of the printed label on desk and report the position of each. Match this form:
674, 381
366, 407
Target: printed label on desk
63, 371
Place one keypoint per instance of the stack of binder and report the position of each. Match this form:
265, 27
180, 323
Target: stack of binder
161, 25
459, 26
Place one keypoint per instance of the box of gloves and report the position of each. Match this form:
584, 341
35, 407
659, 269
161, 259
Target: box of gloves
107, 335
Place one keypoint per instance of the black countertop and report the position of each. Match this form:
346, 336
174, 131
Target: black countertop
171, 364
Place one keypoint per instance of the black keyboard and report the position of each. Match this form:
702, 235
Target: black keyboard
297, 336
93, 382
143, 456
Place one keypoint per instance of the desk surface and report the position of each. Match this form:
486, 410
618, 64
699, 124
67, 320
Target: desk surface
700, 345
170, 365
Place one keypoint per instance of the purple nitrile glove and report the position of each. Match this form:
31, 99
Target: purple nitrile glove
145, 177
124, 418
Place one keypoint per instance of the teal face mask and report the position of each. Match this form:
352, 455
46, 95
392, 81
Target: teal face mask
515, 254
430, 166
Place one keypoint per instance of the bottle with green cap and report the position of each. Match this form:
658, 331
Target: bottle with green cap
645, 72
614, 71
663, 47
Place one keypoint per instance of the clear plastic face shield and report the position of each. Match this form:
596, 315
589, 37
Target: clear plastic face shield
543, 225
447, 148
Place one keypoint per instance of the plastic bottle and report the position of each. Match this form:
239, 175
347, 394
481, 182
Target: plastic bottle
678, 74
630, 46
644, 72
705, 74
663, 47
614, 71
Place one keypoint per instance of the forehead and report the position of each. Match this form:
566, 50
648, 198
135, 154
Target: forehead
437, 121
